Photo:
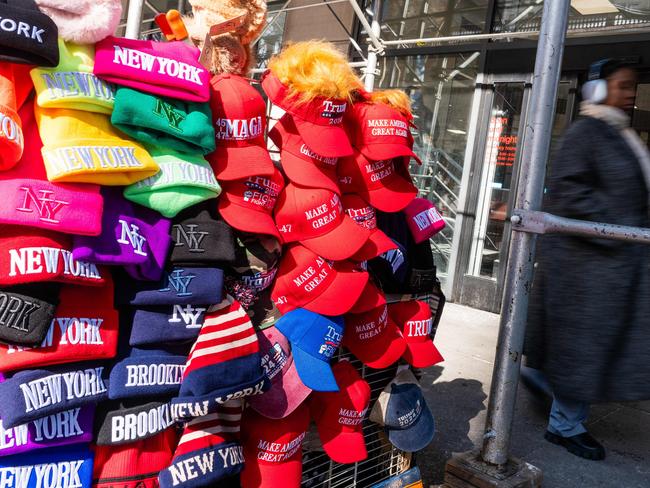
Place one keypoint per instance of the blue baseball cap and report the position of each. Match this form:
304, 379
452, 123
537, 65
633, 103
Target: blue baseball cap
314, 340
404, 413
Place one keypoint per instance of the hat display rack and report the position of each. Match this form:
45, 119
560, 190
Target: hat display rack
205, 280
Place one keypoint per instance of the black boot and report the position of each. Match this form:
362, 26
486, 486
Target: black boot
582, 445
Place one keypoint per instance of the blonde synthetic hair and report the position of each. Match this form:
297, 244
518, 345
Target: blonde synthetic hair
396, 99
314, 69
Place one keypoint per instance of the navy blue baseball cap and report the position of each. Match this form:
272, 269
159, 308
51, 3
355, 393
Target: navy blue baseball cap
314, 340
404, 413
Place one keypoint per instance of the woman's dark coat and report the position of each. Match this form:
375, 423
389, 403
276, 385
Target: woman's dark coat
589, 317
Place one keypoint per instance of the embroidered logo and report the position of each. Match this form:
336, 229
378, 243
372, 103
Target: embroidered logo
167, 111
131, 235
331, 342
45, 204
189, 315
15, 311
190, 237
179, 283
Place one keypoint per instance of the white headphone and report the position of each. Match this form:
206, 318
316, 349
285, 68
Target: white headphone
595, 89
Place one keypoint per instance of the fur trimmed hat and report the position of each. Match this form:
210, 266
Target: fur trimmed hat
83, 21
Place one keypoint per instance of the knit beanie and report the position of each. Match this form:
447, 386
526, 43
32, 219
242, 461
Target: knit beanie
27, 36
83, 147
224, 363
72, 83
165, 122
183, 180
200, 237
83, 21
74, 426
167, 69
31, 394
30, 255
208, 448
124, 422
11, 131
134, 465
30, 199
160, 325
84, 327
26, 312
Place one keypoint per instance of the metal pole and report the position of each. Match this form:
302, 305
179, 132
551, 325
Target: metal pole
134, 19
519, 275
373, 54
364, 22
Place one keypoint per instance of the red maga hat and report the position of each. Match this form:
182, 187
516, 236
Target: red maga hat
300, 163
239, 118
415, 320
306, 280
319, 121
374, 338
316, 219
378, 182
380, 132
339, 415
248, 204
371, 297
364, 215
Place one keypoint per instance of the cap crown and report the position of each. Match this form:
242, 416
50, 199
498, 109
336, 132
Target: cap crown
405, 406
259, 193
415, 320
359, 211
357, 173
363, 328
314, 334
377, 123
285, 135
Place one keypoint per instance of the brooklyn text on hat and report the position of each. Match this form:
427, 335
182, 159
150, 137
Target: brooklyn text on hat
26, 35
365, 215
316, 219
307, 280
121, 424
175, 323
424, 219
24, 319
169, 69
72, 426
32, 394
416, 322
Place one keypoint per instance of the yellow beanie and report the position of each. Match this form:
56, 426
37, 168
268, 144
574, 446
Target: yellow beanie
72, 83
83, 147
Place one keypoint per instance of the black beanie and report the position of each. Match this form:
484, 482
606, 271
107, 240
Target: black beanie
26, 312
27, 36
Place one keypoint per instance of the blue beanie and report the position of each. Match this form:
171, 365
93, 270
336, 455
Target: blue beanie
159, 325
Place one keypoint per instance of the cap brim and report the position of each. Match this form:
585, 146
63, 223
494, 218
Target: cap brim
381, 152
340, 243
286, 394
329, 141
416, 437
235, 163
308, 174
246, 219
314, 373
341, 295
261, 475
422, 354
343, 447
393, 196
370, 298
383, 352
378, 243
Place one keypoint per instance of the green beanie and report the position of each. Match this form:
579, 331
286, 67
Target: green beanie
183, 180
166, 122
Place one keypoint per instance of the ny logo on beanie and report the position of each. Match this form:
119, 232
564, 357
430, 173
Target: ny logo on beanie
45, 204
179, 283
131, 235
166, 110
189, 236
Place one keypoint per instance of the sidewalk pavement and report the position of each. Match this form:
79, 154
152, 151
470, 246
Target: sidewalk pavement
457, 389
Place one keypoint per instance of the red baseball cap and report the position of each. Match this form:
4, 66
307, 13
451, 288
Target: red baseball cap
315, 218
319, 121
380, 131
364, 215
415, 320
248, 204
339, 415
239, 119
374, 338
371, 297
424, 219
300, 163
306, 280
273, 449
378, 182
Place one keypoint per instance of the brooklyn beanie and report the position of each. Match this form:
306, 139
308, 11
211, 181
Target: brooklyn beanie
134, 465
167, 69
161, 325
11, 131
118, 423
26, 312
79, 20
164, 122
83, 327
27, 36
72, 84
83, 147
31, 394
184, 180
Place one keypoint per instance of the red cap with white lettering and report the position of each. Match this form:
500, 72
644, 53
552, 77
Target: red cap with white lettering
300, 163
316, 219
379, 131
364, 215
374, 338
319, 121
273, 449
248, 204
377, 182
339, 415
415, 320
424, 219
306, 280
239, 118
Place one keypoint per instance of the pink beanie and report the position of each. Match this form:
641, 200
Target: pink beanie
28, 198
83, 21
168, 69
